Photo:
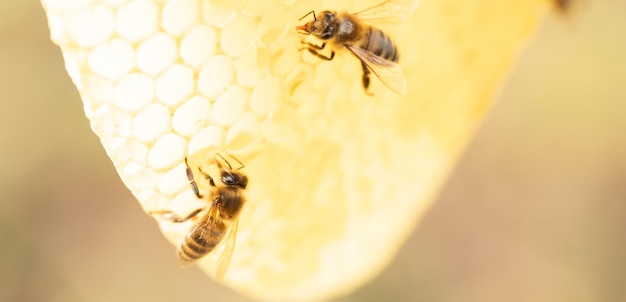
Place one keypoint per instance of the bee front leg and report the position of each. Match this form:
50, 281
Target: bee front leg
173, 217
366, 78
314, 49
192, 180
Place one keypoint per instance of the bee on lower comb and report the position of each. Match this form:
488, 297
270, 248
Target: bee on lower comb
218, 221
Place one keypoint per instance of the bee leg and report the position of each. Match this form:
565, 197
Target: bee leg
314, 46
321, 56
171, 216
207, 176
192, 180
366, 78
314, 49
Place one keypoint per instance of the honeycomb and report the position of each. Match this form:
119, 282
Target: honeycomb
338, 179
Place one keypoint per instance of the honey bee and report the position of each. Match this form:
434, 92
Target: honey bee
377, 53
220, 221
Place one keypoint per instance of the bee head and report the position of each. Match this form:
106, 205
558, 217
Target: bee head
322, 26
230, 177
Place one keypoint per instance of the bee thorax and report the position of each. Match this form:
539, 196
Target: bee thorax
348, 30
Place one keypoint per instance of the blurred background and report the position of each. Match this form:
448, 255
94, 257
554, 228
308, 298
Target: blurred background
535, 211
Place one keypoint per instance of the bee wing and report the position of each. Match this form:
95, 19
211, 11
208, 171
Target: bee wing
197, 235
229, 246
390, 11
211, 220
387, 71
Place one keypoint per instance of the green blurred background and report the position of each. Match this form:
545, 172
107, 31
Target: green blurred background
535, 211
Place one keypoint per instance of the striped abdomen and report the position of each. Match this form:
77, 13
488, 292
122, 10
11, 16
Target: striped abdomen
202, 239
378, 43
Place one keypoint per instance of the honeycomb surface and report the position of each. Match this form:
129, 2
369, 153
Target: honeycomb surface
337, 179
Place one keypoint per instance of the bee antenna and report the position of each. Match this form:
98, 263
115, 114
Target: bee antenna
224, 159
311, 12
240, 163
228, 163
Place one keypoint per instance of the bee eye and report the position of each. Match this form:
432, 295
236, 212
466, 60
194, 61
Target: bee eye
327, 27
229, 179
233, 179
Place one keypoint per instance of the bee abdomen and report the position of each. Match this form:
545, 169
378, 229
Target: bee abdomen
200, 242
380, 45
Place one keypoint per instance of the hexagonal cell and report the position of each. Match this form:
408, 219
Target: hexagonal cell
156, 54
167, 151
173, 181
151, 122
133, 92
244, 133
112, 121
175, 84
215, 76
139, 177
128, 150
198, 46
179, 15
112, 59
211, 136
151, 199
192, 115
218, 12
137, 20
251, 65
238, 35
90, 26
230, 105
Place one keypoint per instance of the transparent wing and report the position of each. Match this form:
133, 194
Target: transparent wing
229, 246
390, 11
387, 71
199, 232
